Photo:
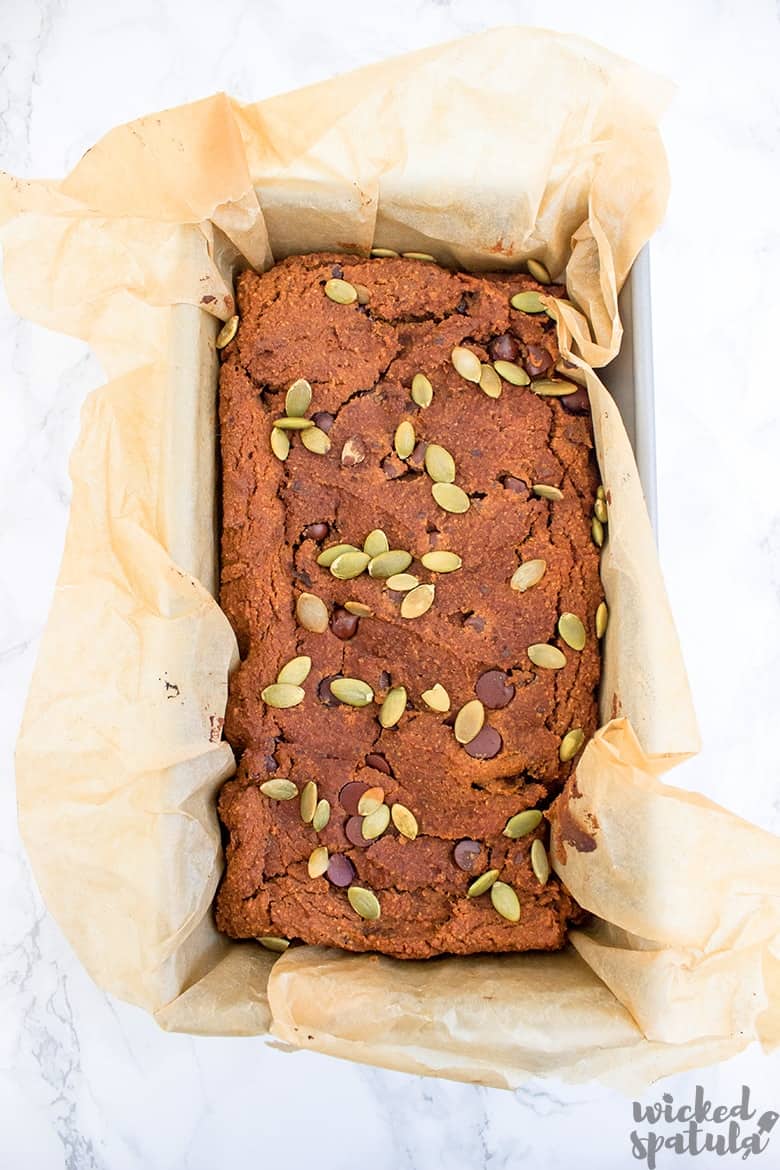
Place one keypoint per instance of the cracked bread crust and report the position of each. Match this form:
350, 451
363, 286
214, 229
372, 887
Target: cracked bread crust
360, 361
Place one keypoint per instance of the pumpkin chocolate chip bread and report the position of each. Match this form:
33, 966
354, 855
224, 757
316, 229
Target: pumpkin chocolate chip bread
410, 560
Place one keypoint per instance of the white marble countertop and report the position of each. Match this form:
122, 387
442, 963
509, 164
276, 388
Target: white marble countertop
88, 1083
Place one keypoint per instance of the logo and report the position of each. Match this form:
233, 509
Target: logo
699, 1128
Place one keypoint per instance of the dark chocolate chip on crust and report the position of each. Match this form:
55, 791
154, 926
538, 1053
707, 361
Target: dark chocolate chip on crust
494, 689
350, 795
485, 745
353, 830
465, 854
344, 624
340, 871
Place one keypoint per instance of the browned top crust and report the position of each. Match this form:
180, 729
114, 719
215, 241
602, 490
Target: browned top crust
278, 516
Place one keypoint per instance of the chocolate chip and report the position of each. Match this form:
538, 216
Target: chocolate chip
385, 678
350, 794
537, 360
487, 744
353, 830
462, 306
316, 531
513, 484
374, 760
302, 576
324, 420
417, 457
337, 272
475, 623
576, 403
271, 764
353, 452
343, 623
324, 693
466, 853
494, 689
340, 871
504, 348
393, 467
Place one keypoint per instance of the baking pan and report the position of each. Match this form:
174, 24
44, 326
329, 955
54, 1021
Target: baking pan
190, 503
629, 378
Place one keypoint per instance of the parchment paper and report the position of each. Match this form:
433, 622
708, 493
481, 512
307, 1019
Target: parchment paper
511, 144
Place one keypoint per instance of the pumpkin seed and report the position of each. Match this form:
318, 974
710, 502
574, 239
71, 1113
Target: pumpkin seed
528, 574
538, 271
375, 543
511, 372
377, 253
405, 821
293, 424
329, 554
466, 363
482, 884
349, 565
505, 901
393, 707
363, 294
600, 493
312, 613
602, 619
298, 399
370, 801
282, 695
597, 532
469, 721
404, 439
227, 332
451, 498
316, 441
280, 444
437, 698
439, 464
308, 802
440, 561
341, 291
419, 256
571, 744
318, 862
358, 609
375, 823
572, 630
296, 671
422, 390
279, 789
547, 388
418, 601
321, 815
272, 943
402, 582
527, 302
387, 564
364, 902
540, 862
352, 691
543, 655
546, 491
490, 383
600, 510
522, 823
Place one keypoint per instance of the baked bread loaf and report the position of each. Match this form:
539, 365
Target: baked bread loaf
411, 567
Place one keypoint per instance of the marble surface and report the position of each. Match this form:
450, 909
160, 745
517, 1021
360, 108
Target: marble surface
88, 1083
